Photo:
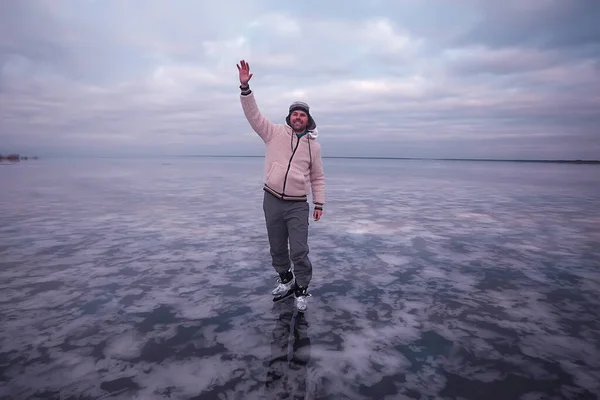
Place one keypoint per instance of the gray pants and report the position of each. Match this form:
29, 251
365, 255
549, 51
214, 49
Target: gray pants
287, 221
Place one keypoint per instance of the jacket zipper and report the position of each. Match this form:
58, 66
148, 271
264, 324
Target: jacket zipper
288, 167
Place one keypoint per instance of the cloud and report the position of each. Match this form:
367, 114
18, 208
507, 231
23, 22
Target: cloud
537, 24
389, 78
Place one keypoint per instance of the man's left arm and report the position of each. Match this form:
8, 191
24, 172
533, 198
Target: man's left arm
317, 181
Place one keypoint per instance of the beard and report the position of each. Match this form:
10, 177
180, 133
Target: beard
298, 124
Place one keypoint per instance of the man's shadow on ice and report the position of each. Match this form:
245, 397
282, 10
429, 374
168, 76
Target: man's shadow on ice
287, 367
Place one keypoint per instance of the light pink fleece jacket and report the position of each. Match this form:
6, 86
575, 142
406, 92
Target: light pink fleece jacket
287, 158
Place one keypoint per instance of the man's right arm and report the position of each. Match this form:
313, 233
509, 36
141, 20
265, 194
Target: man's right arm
258, 122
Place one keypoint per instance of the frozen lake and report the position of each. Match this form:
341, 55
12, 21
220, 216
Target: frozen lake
150, 279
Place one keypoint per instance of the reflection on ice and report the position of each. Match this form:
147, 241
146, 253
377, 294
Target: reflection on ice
133, 279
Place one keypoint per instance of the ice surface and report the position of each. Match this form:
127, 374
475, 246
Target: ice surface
147, 279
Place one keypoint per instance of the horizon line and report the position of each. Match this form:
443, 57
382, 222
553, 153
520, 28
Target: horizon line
579, 161
416, 158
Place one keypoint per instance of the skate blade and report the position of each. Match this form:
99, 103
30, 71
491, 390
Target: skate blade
283, 296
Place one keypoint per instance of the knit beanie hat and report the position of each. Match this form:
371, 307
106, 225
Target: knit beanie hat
300, 105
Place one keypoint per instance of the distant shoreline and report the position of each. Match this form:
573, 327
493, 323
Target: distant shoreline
17, 157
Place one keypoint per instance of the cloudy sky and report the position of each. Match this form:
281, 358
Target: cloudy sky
407, 78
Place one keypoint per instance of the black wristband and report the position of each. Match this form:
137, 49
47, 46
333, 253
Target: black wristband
245, 90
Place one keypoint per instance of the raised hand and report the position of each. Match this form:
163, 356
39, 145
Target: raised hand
245, 74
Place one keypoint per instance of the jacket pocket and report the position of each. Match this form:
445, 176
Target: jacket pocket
296, 183
275, 176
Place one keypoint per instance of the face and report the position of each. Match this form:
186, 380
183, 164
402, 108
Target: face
299, 120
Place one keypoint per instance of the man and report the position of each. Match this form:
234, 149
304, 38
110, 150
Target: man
293, 168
